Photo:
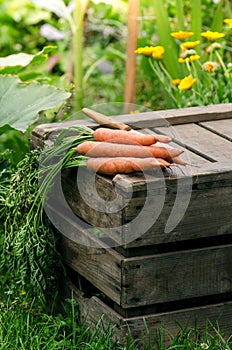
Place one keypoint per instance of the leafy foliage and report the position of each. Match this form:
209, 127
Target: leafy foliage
21, 103
13, 64
29, 251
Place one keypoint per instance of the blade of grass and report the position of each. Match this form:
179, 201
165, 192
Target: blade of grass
196, 20
217, 23
164, 30
179, 14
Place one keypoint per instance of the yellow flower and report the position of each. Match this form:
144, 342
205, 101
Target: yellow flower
228, 21
189, 45
189, 59
212, 35
146, 50
176, 81
210, 66
181, 34
158, 52
23, 292
186, 83
155, 51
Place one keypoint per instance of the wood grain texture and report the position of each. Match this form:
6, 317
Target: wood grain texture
168, 323
150, 119
151, 279
100, 266
112, 210
201, 141
221, 127
176, 275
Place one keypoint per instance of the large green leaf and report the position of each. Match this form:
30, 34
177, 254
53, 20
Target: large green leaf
20, 103
14, 63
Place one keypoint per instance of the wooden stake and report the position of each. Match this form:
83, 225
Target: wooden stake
130, 76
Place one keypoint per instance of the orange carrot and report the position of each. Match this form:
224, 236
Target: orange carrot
123, 165
107, 149
127, 137
179, 161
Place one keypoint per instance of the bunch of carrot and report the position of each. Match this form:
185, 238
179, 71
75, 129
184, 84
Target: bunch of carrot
120, 151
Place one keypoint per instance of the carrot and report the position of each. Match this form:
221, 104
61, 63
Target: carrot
127, 137
107, 149
179, 161
123, 165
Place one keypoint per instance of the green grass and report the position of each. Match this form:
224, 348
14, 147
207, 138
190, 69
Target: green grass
23, 326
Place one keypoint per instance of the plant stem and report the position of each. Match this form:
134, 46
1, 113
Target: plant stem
163, 27
222, 63
162, 81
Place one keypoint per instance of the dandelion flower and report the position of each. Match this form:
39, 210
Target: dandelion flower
212, 36
228, 21
23, 292
213, 47
210, 66
146, 50
181, 34
188, 53
189, 59
158, 52
189, 45
186, 83
176, 81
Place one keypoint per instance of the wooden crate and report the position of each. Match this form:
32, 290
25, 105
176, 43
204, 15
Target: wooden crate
159, 276
206, 135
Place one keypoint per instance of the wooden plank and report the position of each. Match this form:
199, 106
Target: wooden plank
176, 276
149, 119
201, 141
221, 127
168, 323
206, 215
99, 206
100, 266
168, 277
191, 158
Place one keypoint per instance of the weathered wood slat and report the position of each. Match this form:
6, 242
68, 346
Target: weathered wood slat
176, 276
169, 323
166, 277
220, 127
102, 267
201, 141
150, 119
190, 157
204, 217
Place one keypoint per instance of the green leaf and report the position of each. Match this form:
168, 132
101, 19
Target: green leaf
171, 49
14, 63
217, 23
21, 103
196, 20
